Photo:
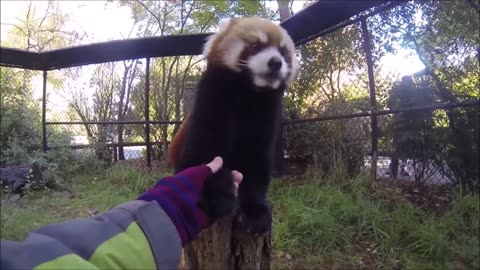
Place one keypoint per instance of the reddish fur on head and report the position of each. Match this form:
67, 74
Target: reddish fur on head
248, 44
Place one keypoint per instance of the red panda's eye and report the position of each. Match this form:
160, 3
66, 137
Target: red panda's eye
255, 47
283, 51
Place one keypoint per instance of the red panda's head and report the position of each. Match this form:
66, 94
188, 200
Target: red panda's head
256, 45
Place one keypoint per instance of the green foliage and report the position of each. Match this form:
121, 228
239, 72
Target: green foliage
462, 149
129, 180
325, 66
40, 31
413, 134
321, 223
19, 139
21, 133
321, 220
326, 143
444, 37
430, 138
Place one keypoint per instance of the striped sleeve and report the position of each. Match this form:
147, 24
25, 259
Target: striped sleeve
134, 235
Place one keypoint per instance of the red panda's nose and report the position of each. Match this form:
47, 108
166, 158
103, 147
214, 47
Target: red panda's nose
275, 63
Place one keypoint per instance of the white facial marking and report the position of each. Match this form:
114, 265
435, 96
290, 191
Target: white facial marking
232, 54
230, 49
288, 43
262, 37
258, 64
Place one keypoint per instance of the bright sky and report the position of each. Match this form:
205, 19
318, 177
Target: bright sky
100, 21
104, 22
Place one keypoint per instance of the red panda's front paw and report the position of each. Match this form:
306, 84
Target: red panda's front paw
218, 206
218, 197
255, 218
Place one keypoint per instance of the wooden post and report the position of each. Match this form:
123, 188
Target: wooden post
222, 246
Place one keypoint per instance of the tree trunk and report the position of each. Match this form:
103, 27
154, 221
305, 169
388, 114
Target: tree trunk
16, 178
394, 167
221, 246
121, 153
283, 9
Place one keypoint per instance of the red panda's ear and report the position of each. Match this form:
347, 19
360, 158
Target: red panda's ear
222, 26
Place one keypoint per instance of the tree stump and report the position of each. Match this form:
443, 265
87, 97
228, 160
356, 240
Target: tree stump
222, 246
16, 178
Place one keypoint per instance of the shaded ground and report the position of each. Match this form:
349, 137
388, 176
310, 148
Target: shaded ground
431, 199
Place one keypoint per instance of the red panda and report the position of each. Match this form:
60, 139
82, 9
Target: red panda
176, 143
236, 115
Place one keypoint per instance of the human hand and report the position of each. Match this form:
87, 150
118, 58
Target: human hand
178, 196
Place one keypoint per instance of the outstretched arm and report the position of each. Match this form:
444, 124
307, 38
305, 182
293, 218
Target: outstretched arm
147, 233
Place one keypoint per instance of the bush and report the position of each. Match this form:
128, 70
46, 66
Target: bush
441, 140
21, 133
327, 142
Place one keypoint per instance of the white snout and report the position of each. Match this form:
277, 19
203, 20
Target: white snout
262, 74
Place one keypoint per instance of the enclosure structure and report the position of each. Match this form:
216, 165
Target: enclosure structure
315, 21
319, 20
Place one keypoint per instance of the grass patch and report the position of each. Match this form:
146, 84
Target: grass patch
320, 222
325, 224
92, 193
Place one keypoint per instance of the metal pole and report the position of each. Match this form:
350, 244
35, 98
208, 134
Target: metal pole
373, 103
147, 113
115, 154
44, 112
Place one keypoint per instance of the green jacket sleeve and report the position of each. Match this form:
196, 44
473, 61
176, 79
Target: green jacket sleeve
134, 235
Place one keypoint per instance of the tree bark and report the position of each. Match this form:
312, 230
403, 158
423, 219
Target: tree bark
16, 178
222, 246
